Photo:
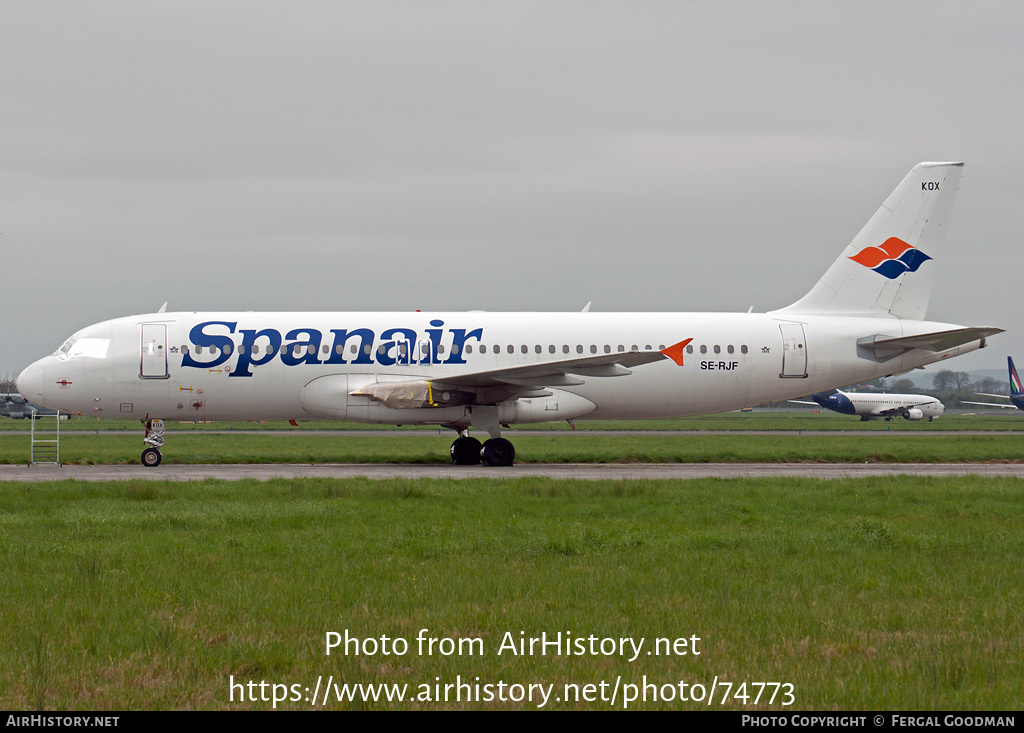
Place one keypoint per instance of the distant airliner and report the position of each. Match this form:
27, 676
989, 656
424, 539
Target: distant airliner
862, 320
1016, 395
878, 405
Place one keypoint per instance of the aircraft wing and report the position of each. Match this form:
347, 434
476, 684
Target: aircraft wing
989, 404
891, 411
935, 342
494, 385
561, 372
986, 394
804, 402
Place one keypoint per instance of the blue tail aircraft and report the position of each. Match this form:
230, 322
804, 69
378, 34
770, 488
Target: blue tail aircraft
1016, 395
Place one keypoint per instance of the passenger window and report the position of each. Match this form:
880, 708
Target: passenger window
551, 348
579, 348
743, 349
730, 349
440, 348
255, 348
565, 348
703, 349
537, 348
367, 349
380, 349
311, 349
689, 348
593, 349
648, 347
241, 348
634, 348
483, 349
228, 349
661, 348
718, 349
524, 349
510, 349
184, 349
469, 348
607, 349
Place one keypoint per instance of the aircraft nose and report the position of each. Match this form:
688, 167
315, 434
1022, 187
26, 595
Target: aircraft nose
31, 382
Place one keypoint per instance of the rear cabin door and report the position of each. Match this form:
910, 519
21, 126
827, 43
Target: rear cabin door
794, 351
153, 364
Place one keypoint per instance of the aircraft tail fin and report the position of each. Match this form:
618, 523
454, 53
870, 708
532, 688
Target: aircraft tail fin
1016, 389
887, 269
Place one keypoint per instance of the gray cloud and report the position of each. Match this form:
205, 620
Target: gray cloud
505, 156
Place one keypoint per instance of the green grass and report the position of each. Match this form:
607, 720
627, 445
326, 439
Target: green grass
738, 421
556, 448
884, 593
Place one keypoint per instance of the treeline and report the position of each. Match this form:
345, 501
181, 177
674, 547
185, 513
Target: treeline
953, 387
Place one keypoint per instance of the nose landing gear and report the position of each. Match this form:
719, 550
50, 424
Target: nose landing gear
151, 456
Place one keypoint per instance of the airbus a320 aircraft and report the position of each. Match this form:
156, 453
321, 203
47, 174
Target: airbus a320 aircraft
878, 405
863, 319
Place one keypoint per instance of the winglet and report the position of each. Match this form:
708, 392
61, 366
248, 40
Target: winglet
675, 351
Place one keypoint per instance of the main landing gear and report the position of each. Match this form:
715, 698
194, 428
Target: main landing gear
468, 451
151, 456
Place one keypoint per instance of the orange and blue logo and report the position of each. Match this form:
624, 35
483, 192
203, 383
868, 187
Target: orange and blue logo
891, 259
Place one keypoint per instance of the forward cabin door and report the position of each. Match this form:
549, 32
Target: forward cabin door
794, 351
153, 364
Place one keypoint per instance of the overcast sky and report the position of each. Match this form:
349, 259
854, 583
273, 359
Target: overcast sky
647, 156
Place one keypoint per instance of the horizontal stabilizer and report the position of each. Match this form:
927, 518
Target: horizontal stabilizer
935, 342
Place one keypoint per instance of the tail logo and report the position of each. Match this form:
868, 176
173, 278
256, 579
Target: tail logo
1015, 385
892, 259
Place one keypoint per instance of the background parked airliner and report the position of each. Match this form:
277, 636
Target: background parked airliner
878, 405
863, 319
1016, 395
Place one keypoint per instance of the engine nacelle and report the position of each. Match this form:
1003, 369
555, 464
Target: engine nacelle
913, 414
559, 405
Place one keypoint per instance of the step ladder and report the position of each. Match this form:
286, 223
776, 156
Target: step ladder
45, 450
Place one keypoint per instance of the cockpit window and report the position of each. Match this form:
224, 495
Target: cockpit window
65, 347
90, 347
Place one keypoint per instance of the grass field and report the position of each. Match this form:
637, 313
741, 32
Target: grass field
738, 421
887, 593
557, 448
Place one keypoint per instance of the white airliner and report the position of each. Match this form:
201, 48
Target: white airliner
878, 405
862, 320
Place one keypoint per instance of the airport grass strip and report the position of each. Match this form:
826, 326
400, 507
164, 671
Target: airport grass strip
736, 421
881, 593
558, 448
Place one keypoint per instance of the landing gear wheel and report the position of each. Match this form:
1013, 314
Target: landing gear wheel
151, 458
466, 451
497, 452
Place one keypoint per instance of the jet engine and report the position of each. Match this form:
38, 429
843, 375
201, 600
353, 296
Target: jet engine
913, 414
